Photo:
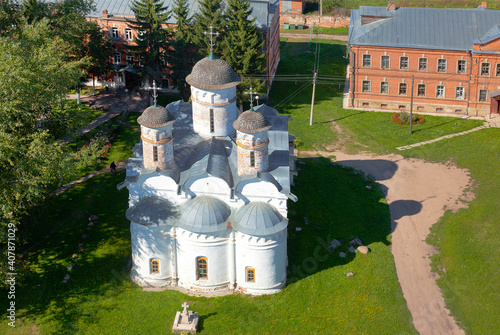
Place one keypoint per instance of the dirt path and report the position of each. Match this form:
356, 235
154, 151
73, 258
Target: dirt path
418, 193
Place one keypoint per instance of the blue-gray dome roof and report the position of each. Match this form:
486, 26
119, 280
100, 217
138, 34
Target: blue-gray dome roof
204, 214
212, 74
259, 218
152, 211
155, 117
251, 122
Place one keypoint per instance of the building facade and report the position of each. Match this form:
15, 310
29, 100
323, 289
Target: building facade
451, 58
208, 191
112, 17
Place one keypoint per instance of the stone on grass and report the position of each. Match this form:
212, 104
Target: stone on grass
91, 224
71, 267
351, 250
358, 241
74, 256
363, 249
349, 274
298, 229
369, 187
335, 244
66, 278
93, 217
342, 254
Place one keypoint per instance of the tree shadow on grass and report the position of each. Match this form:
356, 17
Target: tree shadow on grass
339, 203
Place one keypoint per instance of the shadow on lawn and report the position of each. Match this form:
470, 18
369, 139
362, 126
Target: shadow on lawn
340, 203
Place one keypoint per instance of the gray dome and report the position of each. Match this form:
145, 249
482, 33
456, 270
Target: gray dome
259, 218
204, 214
212, 74
152, 210
155, 117
251, 122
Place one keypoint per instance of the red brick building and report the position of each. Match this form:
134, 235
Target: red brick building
292, 6
452, 54
112, 16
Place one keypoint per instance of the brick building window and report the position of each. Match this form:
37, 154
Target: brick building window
402, 88
366, 86
115, 34
155, 153
498, 70
385, 62
367, 60
117, 58
128, 34
403, 63
202, 268
250, 275
422, 64
154, 266
459, 93
129, 59
384, 87
482, 95
421, 90
485, 69
461, 66
441, 65
439, 91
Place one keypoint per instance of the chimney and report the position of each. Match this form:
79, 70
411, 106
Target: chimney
391, 5
484, 5
105, 13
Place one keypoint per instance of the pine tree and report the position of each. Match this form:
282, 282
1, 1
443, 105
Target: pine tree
183, 55
210, 13
242, 45
152, 39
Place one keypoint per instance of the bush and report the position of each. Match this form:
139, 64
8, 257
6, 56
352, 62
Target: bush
403, 118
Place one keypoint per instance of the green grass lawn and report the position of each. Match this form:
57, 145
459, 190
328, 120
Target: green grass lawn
318, 30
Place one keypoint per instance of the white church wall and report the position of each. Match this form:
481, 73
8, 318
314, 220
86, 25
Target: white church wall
150, 243
159, 186
190, 247
267, 256
253, 190
209, 185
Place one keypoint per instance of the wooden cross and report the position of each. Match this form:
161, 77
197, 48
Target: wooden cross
212, 34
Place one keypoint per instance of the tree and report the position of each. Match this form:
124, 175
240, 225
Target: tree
153, 39
35, 73
183, 53
34, 10
242, 46
210, 13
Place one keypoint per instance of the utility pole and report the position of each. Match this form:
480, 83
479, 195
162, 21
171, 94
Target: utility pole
312, 102
320, 7
411, 104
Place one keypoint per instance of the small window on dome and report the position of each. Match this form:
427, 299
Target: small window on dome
252, 159
154, 266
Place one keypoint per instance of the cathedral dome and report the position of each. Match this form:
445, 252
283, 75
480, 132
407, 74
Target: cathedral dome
259, 218
152, 211
251, 122
204, 214
213, 74
155, 117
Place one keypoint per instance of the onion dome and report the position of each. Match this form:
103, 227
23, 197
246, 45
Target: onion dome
213, 74
152, 211
259, 218
155, 117
251, 122
204, 214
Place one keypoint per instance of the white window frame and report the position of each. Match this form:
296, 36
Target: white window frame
460, 92
422, 60
439, 66
117, 58
115, 33
406, 88
440, 91
129, 36
381, 85
458, 66
367, 60
407, 61
488, 67
365, 88
388, 61
425, 90
129, 59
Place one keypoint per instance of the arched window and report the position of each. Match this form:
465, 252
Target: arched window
202, 268
154, 266
250, 275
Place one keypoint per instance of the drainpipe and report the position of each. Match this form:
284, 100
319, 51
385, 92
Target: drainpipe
470, 79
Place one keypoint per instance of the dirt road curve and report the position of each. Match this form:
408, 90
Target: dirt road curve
418, 193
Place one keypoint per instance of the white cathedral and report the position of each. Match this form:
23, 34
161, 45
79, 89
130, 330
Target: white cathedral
208, 191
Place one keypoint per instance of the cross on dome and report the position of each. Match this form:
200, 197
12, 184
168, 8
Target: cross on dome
212, 43
155, 94
251, 92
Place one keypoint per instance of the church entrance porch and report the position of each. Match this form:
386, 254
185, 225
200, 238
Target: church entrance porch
495, 102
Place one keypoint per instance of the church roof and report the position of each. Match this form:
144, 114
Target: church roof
213, 74
251, 122
152, 211
259, 218
155, 117
204, 214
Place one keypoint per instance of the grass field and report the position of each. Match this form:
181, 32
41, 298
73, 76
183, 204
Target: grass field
99, 298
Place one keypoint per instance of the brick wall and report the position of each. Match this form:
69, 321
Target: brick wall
319, 21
